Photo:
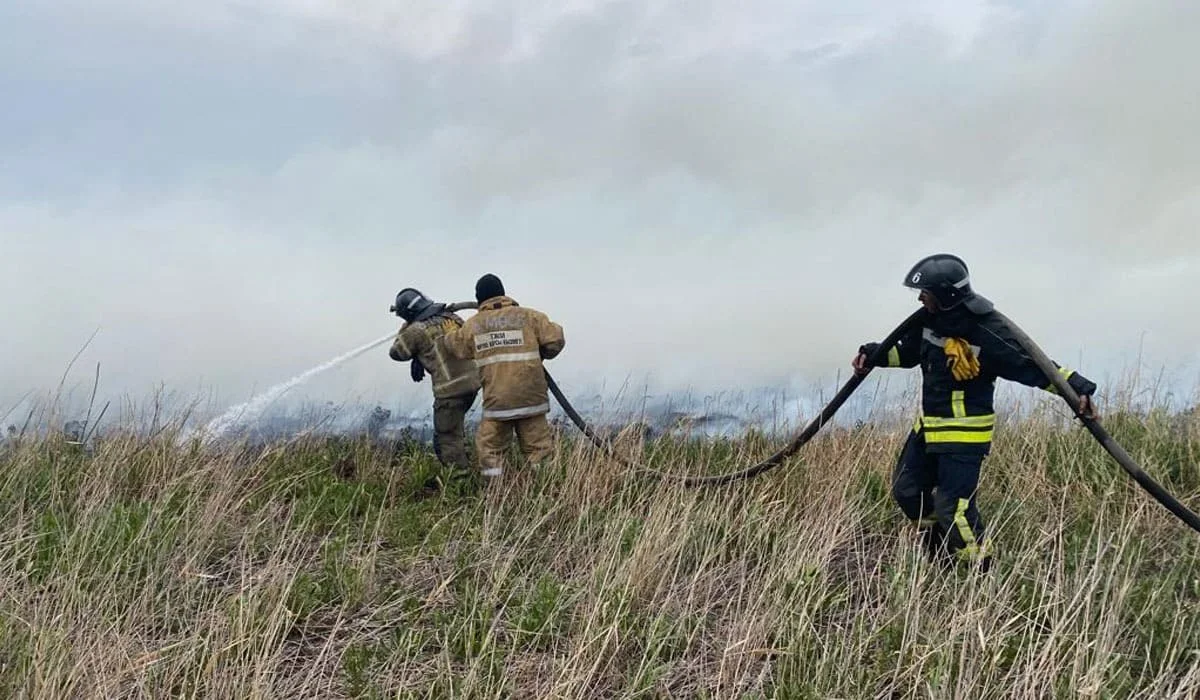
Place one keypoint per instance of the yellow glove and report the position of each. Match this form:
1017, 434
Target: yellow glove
962, 362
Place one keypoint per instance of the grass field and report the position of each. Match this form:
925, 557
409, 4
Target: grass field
319, 569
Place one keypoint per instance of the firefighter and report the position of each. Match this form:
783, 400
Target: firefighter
962, 347
509, 343
422, 342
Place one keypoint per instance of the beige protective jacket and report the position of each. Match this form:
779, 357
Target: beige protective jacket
426, 341
508, 342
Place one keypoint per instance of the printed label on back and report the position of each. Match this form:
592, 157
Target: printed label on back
499, 339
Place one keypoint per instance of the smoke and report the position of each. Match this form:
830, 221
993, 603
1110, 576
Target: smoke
704, 196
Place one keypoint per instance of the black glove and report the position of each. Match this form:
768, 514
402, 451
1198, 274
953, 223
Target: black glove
1081, 384
417, 370
869, 350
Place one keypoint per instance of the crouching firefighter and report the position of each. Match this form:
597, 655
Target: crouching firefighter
961, 347
422, 341
508, 342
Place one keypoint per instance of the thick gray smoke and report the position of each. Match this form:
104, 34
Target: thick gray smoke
704, 196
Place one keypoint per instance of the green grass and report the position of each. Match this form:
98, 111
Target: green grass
151, 570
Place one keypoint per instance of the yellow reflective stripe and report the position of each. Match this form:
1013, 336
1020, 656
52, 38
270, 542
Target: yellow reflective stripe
985, 421
975, 437
441, 361
403, 344
894, 357
981, 552
917, 424
1066, 374
970, 551
958, 403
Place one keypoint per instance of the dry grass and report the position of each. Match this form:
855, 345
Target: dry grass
151, 570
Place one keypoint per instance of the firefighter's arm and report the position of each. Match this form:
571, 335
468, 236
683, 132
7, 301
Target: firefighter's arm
460, 343
407, 344
905, 353
1081, 384
1007, 360
550, 337
1029, 374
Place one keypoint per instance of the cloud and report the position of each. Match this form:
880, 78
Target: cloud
709, 196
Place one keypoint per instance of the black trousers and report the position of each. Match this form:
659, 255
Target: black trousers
937, 491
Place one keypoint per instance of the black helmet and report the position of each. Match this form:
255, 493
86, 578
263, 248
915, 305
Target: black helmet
946, 277
410, 303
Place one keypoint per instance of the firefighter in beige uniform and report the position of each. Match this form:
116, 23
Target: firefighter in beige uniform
455, 381
508, 343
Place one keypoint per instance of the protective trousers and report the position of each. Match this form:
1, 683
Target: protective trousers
494, 437
450, 431
937, 491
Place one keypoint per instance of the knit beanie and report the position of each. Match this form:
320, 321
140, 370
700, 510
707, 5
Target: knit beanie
487, 287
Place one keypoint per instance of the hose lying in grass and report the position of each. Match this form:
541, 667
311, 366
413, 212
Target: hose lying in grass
799, 441
802, 438
1035, 353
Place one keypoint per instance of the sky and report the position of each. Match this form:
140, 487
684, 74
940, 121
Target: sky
705, 195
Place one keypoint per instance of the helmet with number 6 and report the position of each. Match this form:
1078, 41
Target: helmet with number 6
947, 279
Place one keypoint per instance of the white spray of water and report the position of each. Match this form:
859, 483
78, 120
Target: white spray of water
249, 411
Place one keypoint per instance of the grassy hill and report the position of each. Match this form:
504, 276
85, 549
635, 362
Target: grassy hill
320, 569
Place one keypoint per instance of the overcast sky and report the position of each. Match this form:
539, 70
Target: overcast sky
232, 191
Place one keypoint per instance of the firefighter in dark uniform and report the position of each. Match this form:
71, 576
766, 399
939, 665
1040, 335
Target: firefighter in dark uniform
962, 347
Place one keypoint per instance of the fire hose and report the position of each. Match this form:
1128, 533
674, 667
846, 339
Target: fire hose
797, 442
1035, 353
1098, 432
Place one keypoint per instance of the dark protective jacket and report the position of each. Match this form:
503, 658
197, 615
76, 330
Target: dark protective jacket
958, 416
509, 342
425, 341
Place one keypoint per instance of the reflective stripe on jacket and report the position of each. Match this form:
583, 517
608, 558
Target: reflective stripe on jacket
425, 340
508, 343
959, 416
